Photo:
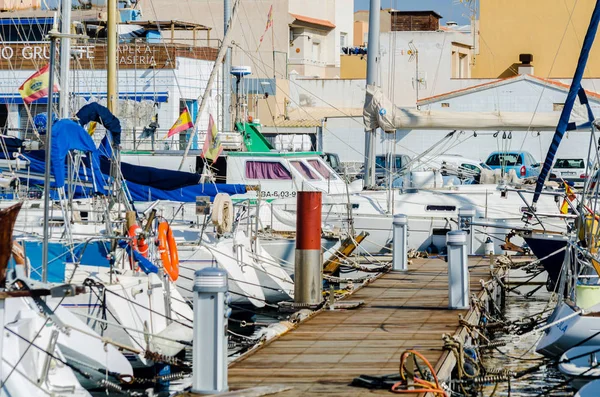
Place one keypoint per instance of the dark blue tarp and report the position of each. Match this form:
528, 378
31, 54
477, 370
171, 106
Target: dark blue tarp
574, 91
153, 177
139, 192
186, 194
68, 135
11, 143
96, 112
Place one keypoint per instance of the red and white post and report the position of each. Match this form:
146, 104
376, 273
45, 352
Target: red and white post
308, 269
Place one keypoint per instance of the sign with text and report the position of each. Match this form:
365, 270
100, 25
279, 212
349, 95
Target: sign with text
32, 56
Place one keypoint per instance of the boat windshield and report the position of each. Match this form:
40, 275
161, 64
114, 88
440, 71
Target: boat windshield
304, 170
321, 168
266, 170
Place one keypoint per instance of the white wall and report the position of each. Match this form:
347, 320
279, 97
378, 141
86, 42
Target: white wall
346, 136
398, 71
327, 93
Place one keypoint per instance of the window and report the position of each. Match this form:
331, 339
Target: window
470, 167
316, 51
505, 159
266, 170
321, 168
569, 163
304, 170
343, 41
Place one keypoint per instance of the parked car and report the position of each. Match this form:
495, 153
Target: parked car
571, 170
465, 169
524, 164
389, 163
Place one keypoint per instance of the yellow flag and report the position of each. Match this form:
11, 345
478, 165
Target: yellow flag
92, 127
183, 123
212, 144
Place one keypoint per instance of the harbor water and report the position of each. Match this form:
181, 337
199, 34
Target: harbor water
519, 352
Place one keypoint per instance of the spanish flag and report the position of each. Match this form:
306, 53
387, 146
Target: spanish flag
184, 122
36, 86
212, 145
564, 208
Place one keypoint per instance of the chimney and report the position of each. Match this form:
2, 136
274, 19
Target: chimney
525, 67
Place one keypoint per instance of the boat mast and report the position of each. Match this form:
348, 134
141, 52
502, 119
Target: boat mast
48, 146
211, 80
372, 61
65, 58
227, 71
111, 47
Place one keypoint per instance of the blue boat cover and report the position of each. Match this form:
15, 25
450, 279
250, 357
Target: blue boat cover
153, 177
186, 194
96, 112
574, 91
68, 135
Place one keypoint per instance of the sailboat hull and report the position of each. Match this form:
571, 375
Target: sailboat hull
577, 330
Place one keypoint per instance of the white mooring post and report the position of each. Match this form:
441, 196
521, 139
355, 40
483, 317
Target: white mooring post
400, 238
458, 270
466, 215
211, 311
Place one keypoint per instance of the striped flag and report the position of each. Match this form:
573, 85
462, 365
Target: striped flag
183, 123
36, 86
212, 145
269, 24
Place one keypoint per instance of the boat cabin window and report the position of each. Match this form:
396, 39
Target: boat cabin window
266, 170
321, 168
304, 170
448, 208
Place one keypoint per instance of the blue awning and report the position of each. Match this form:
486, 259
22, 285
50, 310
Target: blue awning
160, 97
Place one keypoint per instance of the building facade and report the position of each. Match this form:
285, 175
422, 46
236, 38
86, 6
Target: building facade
550, 30
156, 81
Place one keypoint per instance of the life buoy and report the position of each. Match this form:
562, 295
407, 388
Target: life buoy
167, 249
137, 242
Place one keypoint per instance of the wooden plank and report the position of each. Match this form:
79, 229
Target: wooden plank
401, 311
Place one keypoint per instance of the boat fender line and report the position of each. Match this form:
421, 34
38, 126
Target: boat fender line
167, 248
138, 242
420, 385
222, 213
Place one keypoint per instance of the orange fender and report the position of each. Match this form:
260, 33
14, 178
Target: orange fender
167, 249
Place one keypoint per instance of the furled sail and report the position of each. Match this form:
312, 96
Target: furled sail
380, 112
574, 91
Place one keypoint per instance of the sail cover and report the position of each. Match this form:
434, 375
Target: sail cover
68, 135
574, 91
380, 112
96, 112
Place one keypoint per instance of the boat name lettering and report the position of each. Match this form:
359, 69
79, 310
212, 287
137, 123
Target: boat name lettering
562, 326
277, 194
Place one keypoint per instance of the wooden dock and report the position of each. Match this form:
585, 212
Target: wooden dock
401, 311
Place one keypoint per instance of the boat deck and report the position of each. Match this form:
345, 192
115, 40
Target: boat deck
401, 311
